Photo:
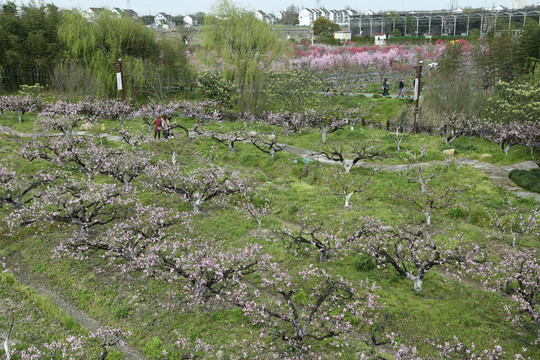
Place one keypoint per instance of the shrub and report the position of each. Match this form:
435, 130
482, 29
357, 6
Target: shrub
154, 348
529, 180
456, 213
364, 262
216, 88
121, 311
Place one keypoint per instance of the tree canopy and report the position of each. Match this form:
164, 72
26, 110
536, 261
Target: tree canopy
28, 43
244, 48
324, 28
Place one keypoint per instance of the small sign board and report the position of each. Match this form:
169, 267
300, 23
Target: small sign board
119, 80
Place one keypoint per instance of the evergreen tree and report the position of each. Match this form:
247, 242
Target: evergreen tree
28, 43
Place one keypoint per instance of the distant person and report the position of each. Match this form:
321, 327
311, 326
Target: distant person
385, 87
158, 127
401, 87
166, 125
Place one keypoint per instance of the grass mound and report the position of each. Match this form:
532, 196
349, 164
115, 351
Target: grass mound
527, 179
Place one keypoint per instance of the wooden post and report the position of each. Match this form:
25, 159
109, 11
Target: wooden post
120, 78
417, 89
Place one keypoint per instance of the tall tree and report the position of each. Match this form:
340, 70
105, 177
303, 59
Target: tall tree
28, 43
244, 45
290, 16
98, 44
528, 52
322, 27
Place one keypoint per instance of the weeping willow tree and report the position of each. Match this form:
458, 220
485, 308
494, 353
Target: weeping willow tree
173, 72
96, 45
244, 46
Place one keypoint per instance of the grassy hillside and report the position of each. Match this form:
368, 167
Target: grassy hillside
154, 310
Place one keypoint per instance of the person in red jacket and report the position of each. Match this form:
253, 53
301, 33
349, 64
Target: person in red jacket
159, 125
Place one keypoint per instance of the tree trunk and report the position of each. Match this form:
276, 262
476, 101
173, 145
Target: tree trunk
19, 116
324, 255
427, 214
538, 327
324, 133
6, 348
347, 166
417, 279
536, 159
196, 206
347, 198
536, 316
201, 289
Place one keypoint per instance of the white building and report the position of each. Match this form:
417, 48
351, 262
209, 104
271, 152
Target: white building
190, 21
267, 18
307, 16
323, 12
333, 15
495, 8
517, 4
380, 39
162, 19
342, 36
92, 13
260, 15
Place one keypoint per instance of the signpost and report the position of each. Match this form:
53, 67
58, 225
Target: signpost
417, 89
120, 78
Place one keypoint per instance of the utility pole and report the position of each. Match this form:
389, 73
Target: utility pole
417, 89
120, 78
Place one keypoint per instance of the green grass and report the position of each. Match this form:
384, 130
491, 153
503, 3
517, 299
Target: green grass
37, 319
152, 309
527, 179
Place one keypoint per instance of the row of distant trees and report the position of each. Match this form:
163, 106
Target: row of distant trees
493, 78
75, 57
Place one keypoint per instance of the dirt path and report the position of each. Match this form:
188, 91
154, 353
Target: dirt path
497, 175
78, 315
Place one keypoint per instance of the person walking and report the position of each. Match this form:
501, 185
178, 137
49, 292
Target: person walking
158, 126
401, 87
385, 87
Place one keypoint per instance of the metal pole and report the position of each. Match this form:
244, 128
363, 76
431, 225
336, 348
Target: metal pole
417, 90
